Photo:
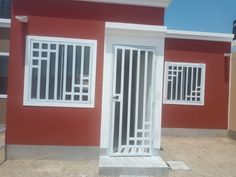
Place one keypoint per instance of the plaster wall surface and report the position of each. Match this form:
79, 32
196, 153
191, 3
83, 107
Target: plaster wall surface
213, 114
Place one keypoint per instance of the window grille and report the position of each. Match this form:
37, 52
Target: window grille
184, 83
60, 72
3, 74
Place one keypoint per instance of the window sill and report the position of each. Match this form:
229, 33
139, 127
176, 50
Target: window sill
183, 103
66, 105
3, 96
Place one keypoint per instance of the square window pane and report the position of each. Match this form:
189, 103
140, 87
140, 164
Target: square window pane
3, 74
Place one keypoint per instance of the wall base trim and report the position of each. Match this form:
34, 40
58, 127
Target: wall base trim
192, 132
41, 152
232, 134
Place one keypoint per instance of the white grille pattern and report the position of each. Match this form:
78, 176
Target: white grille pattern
133, 101
184, 83
60, 71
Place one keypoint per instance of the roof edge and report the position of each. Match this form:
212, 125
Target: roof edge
194, 35
149, 3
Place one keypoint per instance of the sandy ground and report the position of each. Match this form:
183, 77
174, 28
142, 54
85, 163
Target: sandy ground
206, 157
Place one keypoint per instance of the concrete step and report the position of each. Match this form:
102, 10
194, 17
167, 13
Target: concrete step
135, 166
2, 144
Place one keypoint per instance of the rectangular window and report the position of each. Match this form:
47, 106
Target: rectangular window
184, 83
60, 72
3, 74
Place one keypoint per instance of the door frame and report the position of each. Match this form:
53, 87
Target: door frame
130, 35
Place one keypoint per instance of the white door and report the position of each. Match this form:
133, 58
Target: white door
133, 100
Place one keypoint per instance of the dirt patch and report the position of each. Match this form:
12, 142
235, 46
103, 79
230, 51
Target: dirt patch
206, 157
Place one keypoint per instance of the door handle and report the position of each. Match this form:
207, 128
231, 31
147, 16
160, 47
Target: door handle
116, 97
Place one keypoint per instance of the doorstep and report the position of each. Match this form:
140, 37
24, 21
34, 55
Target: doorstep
138, 166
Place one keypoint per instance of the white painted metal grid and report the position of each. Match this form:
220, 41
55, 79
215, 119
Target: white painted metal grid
184, 83
52, 77
134, 102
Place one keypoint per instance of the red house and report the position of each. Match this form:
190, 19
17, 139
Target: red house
90, 78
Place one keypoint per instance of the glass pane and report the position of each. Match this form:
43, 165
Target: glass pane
118, 70
86, 61
184, 85
199, 76
35, 45
141, 89
179, 81
44, 46
149, 86
43, 75
52, 75
194, 78
133, 93
34, 83
69, 68
78, 64
116, 127
189, 90
84, 98
125, 96
3, 74
60, 72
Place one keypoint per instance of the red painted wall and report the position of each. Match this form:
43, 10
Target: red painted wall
90, 11
47, 125
65, 18
213, 114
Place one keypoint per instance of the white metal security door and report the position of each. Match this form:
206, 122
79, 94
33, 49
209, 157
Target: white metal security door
133, 101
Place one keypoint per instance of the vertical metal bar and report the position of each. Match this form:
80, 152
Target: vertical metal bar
121, 98
191, 84
39, 71
137, 99
144, 92
114, 103
129, 96
73, 72
56, 71
47, 72
181, 83
177, 82
172, 82
64, 73
81, 72
196, 81
186, 83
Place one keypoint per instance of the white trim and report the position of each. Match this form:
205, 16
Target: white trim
3, 96
201, 87
149, 3
113, 28
62, 102
194, 35
138, 35
4, 53
23, 19
5, 23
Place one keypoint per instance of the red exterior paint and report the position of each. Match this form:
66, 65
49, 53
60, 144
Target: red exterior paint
90, 11
213, 114
62, 18
47, 125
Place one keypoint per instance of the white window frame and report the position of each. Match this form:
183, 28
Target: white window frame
202, 85
27, 101
4, 54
